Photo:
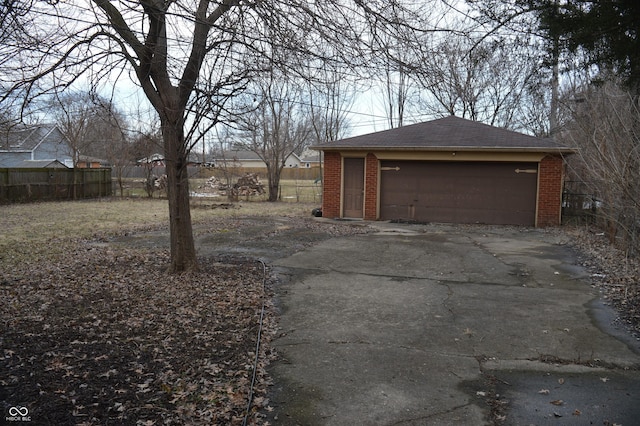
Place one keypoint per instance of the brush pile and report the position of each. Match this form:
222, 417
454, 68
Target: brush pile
246, 186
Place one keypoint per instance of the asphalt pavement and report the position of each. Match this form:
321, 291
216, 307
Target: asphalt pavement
448, 325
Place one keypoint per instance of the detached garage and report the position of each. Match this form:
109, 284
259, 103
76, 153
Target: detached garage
449, 170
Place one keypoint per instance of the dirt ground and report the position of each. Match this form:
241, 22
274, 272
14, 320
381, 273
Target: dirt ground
100, 334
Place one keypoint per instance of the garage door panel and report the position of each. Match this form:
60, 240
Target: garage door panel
457, 192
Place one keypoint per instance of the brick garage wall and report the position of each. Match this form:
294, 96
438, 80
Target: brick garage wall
371, 187
550, 191
331, 184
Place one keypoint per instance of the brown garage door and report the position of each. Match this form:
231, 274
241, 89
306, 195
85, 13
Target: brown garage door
459, 192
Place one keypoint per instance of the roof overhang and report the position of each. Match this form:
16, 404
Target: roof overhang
558, 150
15, 151
451, 153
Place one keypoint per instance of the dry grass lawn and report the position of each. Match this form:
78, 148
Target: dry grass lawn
40, 222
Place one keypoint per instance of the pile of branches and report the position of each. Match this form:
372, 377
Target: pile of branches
155, 183
246, 186
215, 185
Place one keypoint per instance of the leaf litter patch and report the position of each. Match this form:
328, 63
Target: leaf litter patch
106, 336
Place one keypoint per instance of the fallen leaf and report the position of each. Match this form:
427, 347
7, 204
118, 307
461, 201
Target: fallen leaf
557, 402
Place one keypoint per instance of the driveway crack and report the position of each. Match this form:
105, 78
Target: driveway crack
445, 302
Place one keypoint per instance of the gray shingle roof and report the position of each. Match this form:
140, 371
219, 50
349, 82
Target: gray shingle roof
239, 154
25, 139
445, 134
39, 164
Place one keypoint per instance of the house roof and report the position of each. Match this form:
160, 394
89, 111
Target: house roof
309, 156
239, 155
310, 159
152, 158
90, 159
446, 134
25, 139
244, 155
41, 164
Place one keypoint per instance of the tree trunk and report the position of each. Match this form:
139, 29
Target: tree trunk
273, 182
555, 85
183, 252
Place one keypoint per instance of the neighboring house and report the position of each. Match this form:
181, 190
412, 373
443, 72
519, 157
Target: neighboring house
42, 143
310, 159
449, 170
249, 159
86, 162
155, 160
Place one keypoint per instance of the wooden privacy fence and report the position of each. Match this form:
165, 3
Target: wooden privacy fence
31, 184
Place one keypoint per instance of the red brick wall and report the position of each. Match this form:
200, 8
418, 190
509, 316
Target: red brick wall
550, 191
332, 183
371, 187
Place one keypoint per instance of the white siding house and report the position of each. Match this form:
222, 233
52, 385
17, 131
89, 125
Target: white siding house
30, 146
249, 159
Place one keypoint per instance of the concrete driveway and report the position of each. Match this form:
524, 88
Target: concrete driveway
448, 325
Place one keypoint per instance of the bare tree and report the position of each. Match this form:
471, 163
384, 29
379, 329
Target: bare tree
605, 127
396, 92
119, 148
90, 123
397, 63
550, 36
330, 96
486, 80
143, 148
278, 126
225, 161
120, 163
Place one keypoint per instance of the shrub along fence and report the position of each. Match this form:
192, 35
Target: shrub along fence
31, 184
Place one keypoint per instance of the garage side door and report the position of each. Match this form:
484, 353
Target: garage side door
353, 187
459, 192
